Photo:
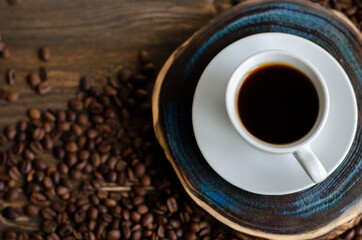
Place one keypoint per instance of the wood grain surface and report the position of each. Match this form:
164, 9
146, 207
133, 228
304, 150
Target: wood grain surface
92, 37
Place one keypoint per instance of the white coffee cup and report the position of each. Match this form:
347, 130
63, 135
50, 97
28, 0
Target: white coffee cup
300, 148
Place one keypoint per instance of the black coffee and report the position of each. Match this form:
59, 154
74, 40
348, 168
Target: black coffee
278, 103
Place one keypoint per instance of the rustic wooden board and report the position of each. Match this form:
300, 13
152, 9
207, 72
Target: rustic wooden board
88, 37
317, 212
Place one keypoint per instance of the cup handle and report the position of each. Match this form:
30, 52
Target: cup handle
311, 164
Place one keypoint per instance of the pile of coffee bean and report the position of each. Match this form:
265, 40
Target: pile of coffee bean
106, 182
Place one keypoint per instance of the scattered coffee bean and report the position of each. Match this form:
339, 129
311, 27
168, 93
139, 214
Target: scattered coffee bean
44, 87
44, 53
43, 73
11, 76
3, 94
34, 113
12, 96
10, 213
6, 53
143, 57
34, 80
11, 195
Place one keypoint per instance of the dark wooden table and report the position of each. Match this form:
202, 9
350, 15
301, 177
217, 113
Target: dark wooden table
97, 38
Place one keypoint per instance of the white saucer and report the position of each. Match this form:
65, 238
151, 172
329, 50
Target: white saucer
237, 162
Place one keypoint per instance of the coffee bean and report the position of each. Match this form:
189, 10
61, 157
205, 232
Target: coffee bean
18, 148
137, 235
142, 209
47, 213
110, 91
49, 226
71, 159
34, 80
172, 204
76, 105
71, 147
92, 213
11, 195
143, 57
190, 235
34, 113
47, 182
36, 147
109, 202
43, 73
48, 142
59, 152
3, 94
44, 87
104, 147
37, 198
61, 190
140, 169
75, 174
147, 219
10, 213
141, 94
92, 133
161, 231
9, 235
11, 76
22, 126
139, 190
126, 231
114, 82
44, 54
148, 69
14, 173
31, 210
85, 83
124, 75
349, 234
96, 108
139, 79
174, 223
6, 52
194, 227
114, 235
12, 96
2, 186
23, 236
77, 130
3, 139
82, 119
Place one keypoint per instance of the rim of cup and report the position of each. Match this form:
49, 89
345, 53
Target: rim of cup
288, 58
